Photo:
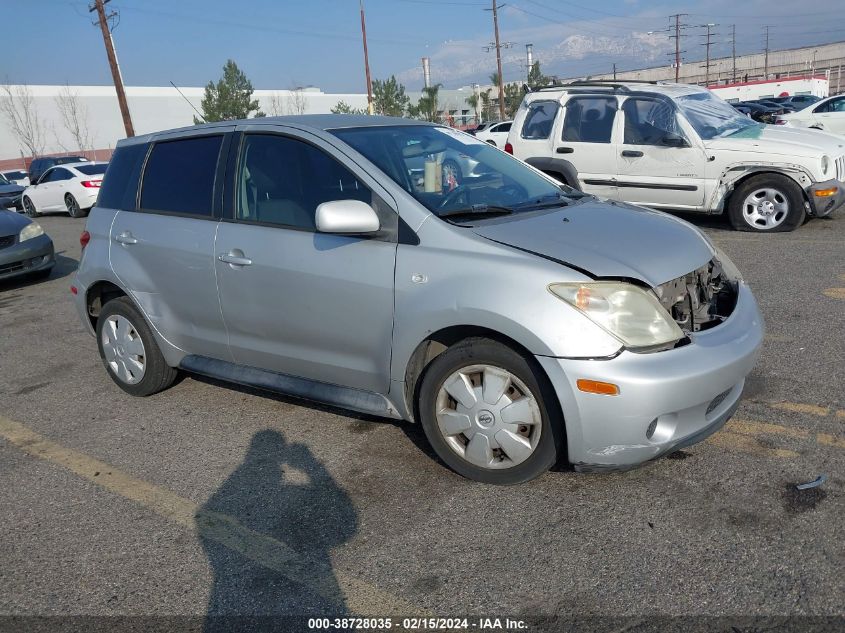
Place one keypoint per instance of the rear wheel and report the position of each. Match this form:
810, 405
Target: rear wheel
767, 203
490, 414
129, 352
29, 208
73, 206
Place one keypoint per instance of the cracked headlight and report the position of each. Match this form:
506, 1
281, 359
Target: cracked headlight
29, 231
629, 313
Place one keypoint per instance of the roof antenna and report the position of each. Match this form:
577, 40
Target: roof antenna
189, 103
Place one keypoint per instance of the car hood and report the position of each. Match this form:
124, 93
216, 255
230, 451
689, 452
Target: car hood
11, 223
607, 239
7, 191
776, 139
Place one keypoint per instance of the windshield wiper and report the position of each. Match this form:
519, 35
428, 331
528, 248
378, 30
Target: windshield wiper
549, 200
476, 209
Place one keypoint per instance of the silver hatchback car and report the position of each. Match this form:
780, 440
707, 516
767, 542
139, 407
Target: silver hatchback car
334, 259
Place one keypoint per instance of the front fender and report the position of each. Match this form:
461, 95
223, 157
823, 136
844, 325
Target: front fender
738, 171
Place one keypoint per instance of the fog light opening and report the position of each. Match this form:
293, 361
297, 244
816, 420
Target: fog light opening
649, 432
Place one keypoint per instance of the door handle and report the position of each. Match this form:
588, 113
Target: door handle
630, 153
565, 150
234, 260
125, 238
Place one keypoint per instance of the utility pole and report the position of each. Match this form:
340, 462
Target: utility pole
733, 51
707, 57
614, 71
366, 60
766, 57
99, 7
498, 45
677, 36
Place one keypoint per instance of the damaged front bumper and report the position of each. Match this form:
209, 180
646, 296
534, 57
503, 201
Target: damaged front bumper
666, 400
826, 197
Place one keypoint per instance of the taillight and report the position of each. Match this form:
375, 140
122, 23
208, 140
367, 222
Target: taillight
92, 184
84, 239
509, 148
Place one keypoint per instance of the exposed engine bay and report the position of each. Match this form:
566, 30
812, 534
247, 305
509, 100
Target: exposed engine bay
700, 299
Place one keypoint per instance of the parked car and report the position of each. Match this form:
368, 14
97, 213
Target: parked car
480, 127
24, 247
779, 108
496, 134
799, 102
72, 188
742, 109
10, 194
16, 176
672, 146
40, 165
759, 112
828, 115
519, 322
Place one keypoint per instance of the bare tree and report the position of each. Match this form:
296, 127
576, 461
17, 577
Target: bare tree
74, 117
17, 106
296, 101
277, 106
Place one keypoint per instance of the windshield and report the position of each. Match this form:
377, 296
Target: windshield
711, 117
452, 173
4, 180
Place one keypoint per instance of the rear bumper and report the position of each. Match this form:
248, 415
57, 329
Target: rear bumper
27, 257
667, 400
825, 205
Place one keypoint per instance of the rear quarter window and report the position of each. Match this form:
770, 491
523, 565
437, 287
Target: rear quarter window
179, 176
120, 184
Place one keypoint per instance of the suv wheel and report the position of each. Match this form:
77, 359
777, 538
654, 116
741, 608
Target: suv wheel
768, 202
490, 414
29, 208
129, 352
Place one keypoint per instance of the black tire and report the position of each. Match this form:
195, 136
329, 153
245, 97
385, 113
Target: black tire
157, 374
481, 351
29, 207
787, 188
493, 143
456, 169
72, 206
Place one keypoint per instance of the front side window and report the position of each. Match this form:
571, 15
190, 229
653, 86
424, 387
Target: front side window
539, 120
589, 119
179, 176
648, 121
452, 173
60, 174
282, 181
834, 105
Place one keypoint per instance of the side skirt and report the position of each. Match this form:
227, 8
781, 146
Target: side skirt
313, 390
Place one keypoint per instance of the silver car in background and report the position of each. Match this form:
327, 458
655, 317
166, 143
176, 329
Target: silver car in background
334, 259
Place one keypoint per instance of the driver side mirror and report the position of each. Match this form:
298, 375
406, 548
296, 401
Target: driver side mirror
670, 139
348, 217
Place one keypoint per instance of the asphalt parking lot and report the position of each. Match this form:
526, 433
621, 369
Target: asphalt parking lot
211, 499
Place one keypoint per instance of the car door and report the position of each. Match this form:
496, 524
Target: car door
657, 164
295, 301
586, 141
163, 252
43, 194
499, 134
831, 115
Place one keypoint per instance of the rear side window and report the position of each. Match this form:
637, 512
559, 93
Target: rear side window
589, 119
179, 176
120, 184
539, 120
504, 127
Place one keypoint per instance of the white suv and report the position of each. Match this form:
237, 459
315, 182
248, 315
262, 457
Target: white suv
674, 146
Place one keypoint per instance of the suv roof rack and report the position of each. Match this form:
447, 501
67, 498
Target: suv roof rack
599, 83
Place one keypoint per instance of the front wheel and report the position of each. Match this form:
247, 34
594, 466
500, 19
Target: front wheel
29, 208
129, 352
490, 414
767, 203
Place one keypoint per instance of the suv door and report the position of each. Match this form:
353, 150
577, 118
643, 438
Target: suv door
586, 140
298, 302
652, 171
163, 253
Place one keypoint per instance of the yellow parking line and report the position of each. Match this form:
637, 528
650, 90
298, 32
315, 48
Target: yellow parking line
840, 413
834, 293
360, 596
799, 407
747, 444
830, 440
742, 435
747, 427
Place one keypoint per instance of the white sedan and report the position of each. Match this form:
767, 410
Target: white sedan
496, 134
72, 188
827, 114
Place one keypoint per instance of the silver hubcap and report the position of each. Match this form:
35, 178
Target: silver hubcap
488, 417
124, 349
765, 208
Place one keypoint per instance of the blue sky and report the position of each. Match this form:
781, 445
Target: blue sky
282, 43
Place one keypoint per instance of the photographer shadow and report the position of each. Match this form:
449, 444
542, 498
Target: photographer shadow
268, 532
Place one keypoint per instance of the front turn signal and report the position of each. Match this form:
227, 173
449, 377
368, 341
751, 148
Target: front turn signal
596, 386
826, 193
